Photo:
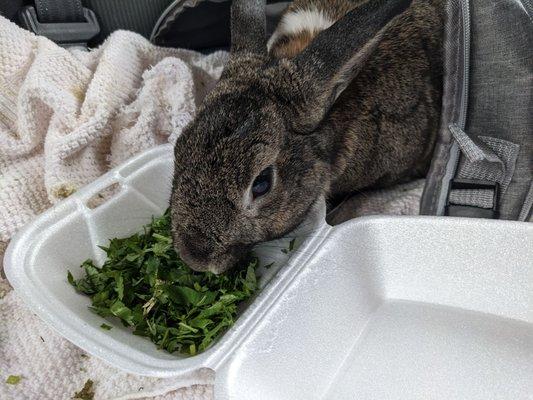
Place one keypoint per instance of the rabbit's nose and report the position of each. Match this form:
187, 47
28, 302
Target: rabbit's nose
185, 255
204, 265
194, 254
191, 261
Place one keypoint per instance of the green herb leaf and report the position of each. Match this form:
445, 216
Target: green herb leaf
291, 244
13, 379
118, 309
184, 295
119, 286
145, 284
70, 278
106, 327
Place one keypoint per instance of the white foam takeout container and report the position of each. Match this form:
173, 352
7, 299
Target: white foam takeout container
375, 308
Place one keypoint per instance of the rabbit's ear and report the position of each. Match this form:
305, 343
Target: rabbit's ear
248, 27
333, 59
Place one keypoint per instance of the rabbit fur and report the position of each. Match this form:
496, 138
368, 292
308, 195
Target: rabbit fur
347, 97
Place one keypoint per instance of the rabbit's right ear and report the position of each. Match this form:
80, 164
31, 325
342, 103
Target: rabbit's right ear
248, 37
248, 27
328, 65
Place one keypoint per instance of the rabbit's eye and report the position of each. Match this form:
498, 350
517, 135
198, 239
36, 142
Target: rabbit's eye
262, 183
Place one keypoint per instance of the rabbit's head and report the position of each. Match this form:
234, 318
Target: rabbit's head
253, 162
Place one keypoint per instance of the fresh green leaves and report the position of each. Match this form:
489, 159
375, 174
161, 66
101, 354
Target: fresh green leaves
291, 244
291, 247
149, 288
13, 379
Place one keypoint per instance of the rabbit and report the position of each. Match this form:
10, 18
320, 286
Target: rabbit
345, 95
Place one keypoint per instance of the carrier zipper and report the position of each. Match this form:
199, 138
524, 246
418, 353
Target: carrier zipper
455, 152
463, 108
466, 62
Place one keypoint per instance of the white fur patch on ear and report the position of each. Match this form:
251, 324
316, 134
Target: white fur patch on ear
310, 19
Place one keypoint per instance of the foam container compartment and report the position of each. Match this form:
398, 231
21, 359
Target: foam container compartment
375, 308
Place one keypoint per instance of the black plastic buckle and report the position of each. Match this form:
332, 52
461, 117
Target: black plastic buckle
457, 210
65, 34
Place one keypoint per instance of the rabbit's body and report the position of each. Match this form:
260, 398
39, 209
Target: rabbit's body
327, 111
383, 127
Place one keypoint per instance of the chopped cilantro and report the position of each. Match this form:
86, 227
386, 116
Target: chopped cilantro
291, 247
269, 265
13, 379
291, 244
145, 284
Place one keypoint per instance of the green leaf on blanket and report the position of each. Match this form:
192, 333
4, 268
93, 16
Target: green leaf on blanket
291, 244
87, 392
13, 379
145, 284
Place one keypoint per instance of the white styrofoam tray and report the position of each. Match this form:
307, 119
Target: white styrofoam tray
375, 308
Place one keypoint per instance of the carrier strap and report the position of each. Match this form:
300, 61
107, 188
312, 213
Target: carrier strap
482, 175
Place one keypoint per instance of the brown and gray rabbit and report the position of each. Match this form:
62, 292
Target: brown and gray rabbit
347, 97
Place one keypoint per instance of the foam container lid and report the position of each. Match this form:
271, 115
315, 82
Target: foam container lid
375, 308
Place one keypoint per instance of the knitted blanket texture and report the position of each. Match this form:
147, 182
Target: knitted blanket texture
66, 118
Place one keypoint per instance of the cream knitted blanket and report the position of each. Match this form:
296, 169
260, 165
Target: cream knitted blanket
65, 119
68, 117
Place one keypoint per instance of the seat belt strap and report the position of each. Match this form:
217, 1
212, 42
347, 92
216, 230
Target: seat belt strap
54, 11
135, 15
65, 22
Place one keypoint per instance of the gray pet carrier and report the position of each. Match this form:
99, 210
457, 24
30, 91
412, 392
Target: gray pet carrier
483, 160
